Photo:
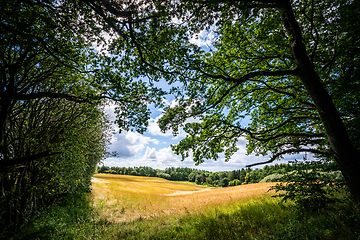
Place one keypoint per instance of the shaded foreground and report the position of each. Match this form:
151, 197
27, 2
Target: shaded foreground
129, 207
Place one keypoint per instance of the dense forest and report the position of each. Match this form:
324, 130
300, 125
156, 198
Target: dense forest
269, 173
216, 179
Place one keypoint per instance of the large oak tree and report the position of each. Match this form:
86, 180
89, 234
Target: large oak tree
290, 65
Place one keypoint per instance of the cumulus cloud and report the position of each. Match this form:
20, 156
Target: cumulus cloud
164, 158
154, 129
157, 159
161, 158
133, 150
126, 144
150, 154
129, 144
204, 38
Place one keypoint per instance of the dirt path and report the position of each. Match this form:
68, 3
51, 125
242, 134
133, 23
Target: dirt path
98, 180
177, 193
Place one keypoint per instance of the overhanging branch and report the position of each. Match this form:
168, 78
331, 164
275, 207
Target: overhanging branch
274, 157
46, 95
22, 160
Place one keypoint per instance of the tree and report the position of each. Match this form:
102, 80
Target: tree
52, 127
284, 63
234, 182
198, 179
312, 186
76, 132
231, 176
46, 44
247, 177
103, 169
224, 182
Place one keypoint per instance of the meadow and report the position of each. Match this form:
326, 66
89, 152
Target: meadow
133, 207
122, 198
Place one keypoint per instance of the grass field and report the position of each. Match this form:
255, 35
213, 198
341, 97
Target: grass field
125, 198
153, 208
130, 207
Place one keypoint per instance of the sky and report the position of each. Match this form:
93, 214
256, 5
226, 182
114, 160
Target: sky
152, 149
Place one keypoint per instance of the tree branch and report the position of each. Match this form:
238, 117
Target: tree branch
18, 96
274, 157
16, 161
257, 135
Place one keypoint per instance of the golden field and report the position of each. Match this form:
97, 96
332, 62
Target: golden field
122, 198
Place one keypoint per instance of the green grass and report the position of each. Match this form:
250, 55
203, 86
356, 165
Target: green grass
258, 217
262, 218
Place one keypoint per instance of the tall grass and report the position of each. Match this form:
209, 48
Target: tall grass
124, 198
152, 210
261, 218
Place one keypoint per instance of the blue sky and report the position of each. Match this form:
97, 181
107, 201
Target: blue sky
152, 149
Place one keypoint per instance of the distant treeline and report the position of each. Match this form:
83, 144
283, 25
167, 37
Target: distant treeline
202, 177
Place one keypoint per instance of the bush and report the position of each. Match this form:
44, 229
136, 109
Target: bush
198, 179
224, 182
191, 177
234, 182
164, 175
272, 178
312, 186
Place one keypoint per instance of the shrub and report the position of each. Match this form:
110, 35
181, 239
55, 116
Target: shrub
224, 182
164, 175
234, 182
312, 186
272, 178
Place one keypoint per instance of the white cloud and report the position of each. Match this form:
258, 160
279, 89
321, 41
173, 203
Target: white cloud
165, 102
150, 154
134, 150
129, 144
154, 128
164, 158
161, 158
126, 144
157, 159
204, 38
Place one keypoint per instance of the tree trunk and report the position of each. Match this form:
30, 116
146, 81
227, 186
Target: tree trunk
346, 155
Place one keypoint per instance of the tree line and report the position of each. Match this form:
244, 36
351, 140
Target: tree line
203, 177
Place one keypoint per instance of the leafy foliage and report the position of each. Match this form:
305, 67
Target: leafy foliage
312, 186
286, 64
273, 178
53, 131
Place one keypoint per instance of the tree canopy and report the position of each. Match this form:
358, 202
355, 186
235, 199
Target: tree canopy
292, 66
54, 84
289, 65
47, 53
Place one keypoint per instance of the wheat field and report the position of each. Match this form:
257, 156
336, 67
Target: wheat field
122, 198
